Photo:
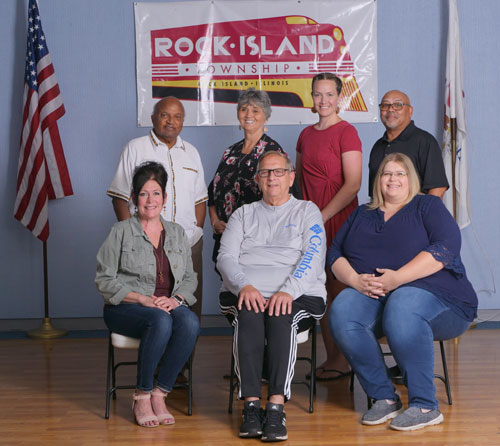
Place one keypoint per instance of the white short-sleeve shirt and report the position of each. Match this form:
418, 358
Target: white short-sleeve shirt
186, 181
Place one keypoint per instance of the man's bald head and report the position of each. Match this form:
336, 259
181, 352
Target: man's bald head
397, 94
167, 100
395, 121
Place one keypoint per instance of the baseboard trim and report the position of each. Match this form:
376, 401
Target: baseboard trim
92, 323
210, 323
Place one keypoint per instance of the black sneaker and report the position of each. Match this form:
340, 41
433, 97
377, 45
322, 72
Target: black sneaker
274, 428
251, 426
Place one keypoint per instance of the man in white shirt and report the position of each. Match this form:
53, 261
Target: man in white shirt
186, 188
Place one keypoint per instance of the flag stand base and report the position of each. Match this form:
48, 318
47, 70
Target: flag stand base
47, 331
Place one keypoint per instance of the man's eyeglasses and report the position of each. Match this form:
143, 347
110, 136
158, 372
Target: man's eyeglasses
397, 106
279, 172
399, 174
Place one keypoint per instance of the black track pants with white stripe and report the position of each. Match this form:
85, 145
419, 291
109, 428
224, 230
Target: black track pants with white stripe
257, 335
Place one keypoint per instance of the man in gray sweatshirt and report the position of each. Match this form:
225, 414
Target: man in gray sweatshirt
271, 259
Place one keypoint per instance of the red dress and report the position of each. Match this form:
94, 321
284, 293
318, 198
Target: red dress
321, 164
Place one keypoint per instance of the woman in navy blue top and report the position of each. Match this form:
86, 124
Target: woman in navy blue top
400, 257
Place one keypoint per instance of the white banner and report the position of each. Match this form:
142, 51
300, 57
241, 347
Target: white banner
206, 52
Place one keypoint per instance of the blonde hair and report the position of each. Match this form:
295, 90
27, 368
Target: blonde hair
413, 179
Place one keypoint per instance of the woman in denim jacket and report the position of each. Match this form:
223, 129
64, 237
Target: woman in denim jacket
145, 276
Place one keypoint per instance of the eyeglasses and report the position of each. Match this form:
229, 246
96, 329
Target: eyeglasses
279, 172
399, 174
397, 106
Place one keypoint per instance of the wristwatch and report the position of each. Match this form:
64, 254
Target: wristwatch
178, 299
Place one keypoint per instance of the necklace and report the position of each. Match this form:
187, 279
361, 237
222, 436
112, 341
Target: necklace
242, 155
159, 257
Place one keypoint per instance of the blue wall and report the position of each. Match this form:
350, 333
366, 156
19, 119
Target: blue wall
93, 50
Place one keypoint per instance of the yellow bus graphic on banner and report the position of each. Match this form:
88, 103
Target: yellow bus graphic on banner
279, 55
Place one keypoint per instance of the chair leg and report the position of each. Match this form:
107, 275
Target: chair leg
231, 384
312, 388
113, 368
108, 376
190, 385
445, 371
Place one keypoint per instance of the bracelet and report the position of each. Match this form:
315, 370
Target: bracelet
213, 227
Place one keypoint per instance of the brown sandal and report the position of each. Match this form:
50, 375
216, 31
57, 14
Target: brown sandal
145, 419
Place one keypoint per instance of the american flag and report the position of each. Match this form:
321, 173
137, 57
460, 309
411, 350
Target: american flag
42, 172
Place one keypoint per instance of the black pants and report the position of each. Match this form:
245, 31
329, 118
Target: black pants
257, 335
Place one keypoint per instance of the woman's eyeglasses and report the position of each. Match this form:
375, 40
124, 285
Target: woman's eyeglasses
399, 174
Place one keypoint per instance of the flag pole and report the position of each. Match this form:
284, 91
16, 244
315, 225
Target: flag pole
42, 171
453, 69
46, 331
453, 132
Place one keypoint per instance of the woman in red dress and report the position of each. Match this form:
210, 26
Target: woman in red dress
329, 165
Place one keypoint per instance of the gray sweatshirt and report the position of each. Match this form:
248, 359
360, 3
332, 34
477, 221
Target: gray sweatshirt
274, 248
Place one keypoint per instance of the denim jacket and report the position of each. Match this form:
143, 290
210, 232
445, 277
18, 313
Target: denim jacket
126, 262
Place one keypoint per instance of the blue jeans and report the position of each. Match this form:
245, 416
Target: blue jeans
411, 319
167, 340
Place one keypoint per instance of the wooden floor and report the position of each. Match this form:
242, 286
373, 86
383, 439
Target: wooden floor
53, 394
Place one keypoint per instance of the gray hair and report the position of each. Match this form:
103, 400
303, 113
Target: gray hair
288, 162
256, 97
